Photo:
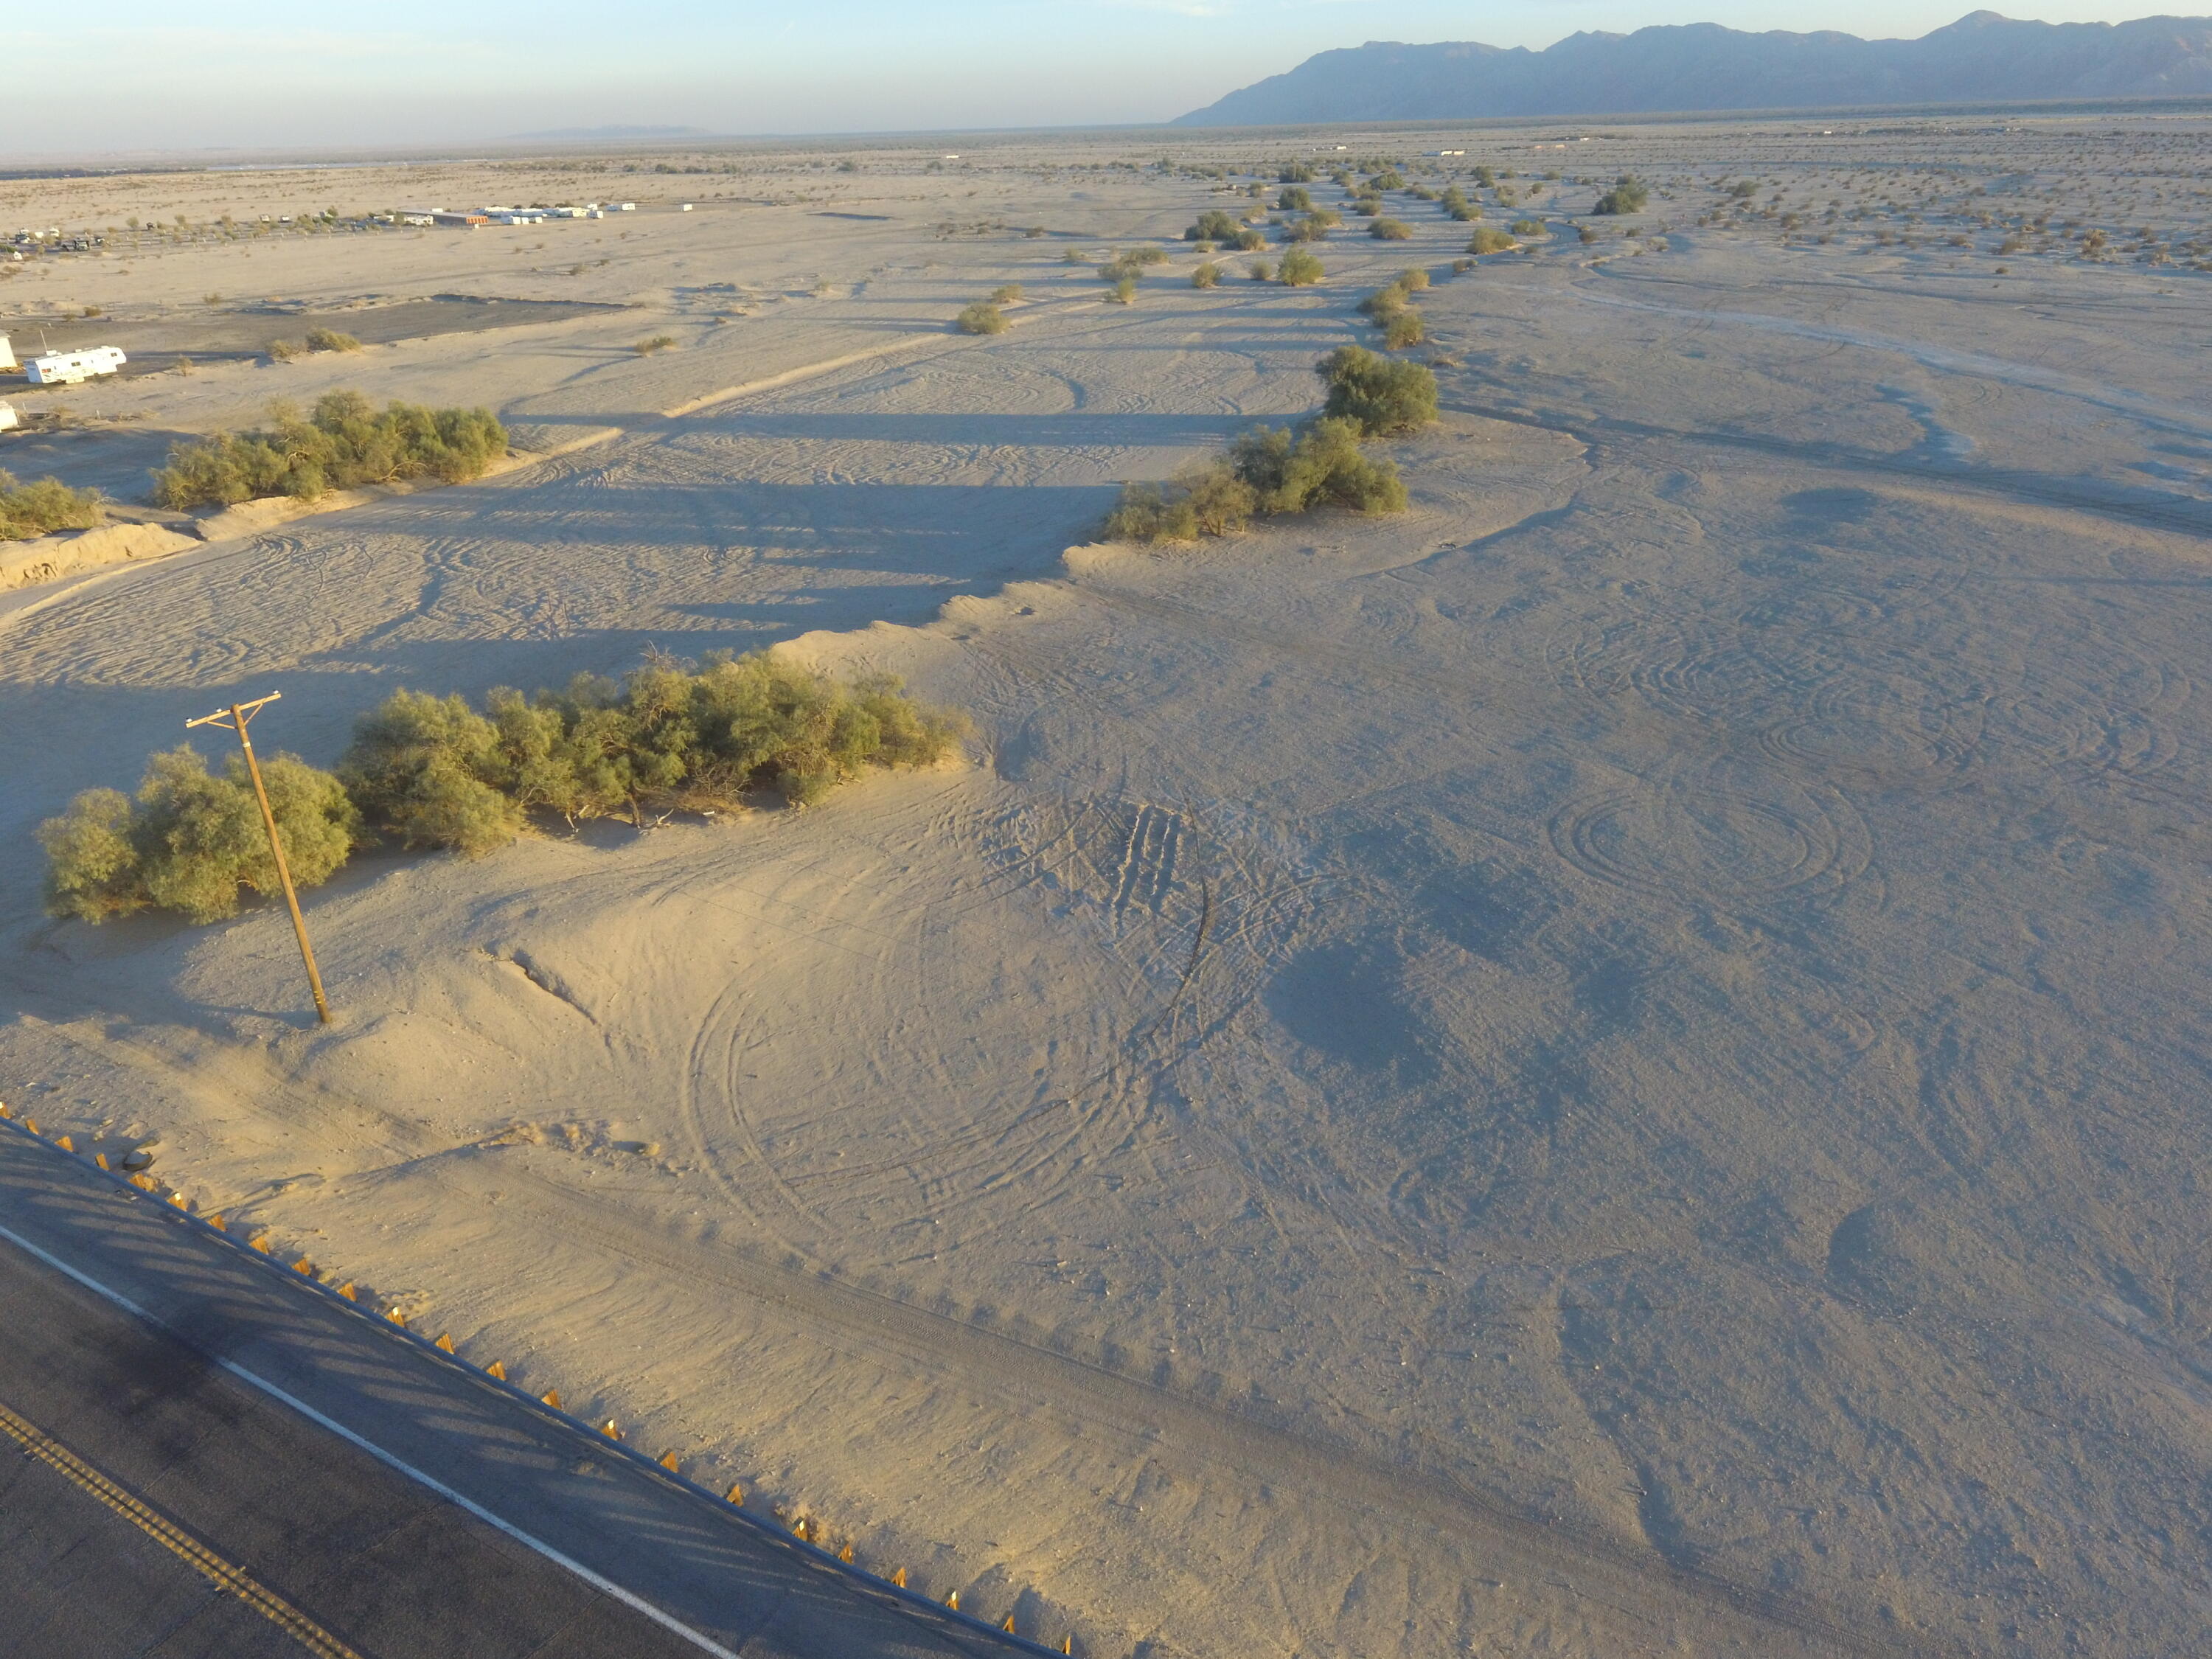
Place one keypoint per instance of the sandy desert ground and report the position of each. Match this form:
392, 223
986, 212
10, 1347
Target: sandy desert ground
1615, 1064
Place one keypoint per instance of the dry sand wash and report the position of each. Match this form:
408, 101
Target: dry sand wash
1660, 992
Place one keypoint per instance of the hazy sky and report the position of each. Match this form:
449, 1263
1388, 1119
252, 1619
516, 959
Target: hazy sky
137, 74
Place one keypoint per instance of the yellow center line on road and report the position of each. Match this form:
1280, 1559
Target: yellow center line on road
234, 1579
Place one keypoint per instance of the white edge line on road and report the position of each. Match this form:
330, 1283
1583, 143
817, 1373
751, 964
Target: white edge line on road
706, 1643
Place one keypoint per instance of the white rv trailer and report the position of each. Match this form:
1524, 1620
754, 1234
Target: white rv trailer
75, 367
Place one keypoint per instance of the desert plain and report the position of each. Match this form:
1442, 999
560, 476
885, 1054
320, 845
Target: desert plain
1615, 1064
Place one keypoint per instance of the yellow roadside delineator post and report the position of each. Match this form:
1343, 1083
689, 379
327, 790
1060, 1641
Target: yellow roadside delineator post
181, 1200
1067, 1644
32, 1124
735, 1495
444, 1344
899, 1578
668, 1462
261, 1242
304, 1265
235, 718
1009, 1625
65, 1143
216, 1221
346, 1290
550, 1397
100, 1159
799, 1527
953, 1600
845, 1554
496, 1371
609, 1430
396, 1317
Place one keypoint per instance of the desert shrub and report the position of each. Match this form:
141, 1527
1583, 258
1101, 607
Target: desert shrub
1261, 271
1295, 199
1376, 394
1390, 178
1586, 235
1291, 472
1299, 269
1327, 217
1214, 226
981, 318
1308, 229
1422, 193
1367, 206
1206, 276
1413, 279
1390, 230
1402, 329
1490, 240
1075, 256
670, 735
328, 339
191, 841
1249, 240
1148, 512
1629, 194
1530, 227
283, 351
1130, 262
1005, 293
1125, 291
1295, 172
1461, 267
346, 443
1384, 304
1209, 498
658, 343
1486, 176
44, 506
1456, 206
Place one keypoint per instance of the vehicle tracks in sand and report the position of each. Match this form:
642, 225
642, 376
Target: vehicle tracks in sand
1640, 1598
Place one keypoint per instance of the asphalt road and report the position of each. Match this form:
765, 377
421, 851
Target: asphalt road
236, 1465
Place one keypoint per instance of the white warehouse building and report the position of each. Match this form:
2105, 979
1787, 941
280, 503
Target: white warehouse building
74, 367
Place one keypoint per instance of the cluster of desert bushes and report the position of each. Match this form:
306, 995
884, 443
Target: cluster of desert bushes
40, 508
1391, 309
319, 339
344, 443
1269, 470
436, 772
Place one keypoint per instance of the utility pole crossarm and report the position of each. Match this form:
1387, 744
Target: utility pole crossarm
235, 718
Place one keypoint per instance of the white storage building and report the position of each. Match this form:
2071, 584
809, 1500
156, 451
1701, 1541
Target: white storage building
8, 416
7, 354
75, 367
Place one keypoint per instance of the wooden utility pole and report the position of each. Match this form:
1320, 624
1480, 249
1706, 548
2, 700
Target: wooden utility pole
235, 719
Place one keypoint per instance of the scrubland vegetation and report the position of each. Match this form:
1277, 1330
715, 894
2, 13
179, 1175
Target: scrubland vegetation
1270, 471
1214, 226
981, 318
1629, 194
1299, 269
345, 443
1390, 230
434, 772
1489, 240
40, 508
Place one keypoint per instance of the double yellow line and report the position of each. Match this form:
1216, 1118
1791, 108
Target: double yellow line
173, 1538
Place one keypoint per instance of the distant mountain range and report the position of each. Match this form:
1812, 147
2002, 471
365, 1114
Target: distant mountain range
594, 134
1981, 58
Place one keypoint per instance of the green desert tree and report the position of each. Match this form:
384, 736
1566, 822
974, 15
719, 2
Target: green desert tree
1214, 226
1378, 395
1299, 269
44, 506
